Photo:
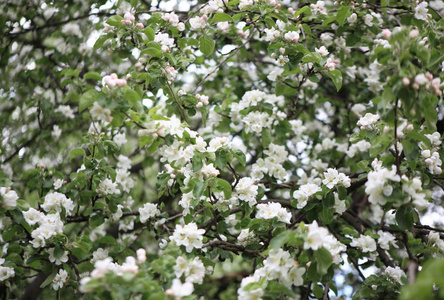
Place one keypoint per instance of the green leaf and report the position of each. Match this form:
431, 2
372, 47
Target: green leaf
411, 149
206, 45
318, 291
404, 217
304, 10
342, 15
87, 99
149, 33
429, 111
312, 57
92, 75
76, 152
342, 192
336, 77
221, 17
197, 161
96, 220
132, 96
115, 21
107, 240
221, 159
49, 279
145, 140
102, 39
224, 186
324, 260
199, 188
266, 137
240, 156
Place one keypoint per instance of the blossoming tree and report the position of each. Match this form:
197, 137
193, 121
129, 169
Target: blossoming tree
221, 149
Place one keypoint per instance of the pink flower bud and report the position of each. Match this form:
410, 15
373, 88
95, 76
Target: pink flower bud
161, 132
410, 127
386, 33
415, 85
429, 162
141, 255
129, 16
429, 76
414, 34
120, 82
405, 81
425, 153
437, 170
139, 25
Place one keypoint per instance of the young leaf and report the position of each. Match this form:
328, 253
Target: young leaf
336, 77
206, 45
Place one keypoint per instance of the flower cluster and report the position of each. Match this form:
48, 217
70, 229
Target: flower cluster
279, 265
271, 210
189, 236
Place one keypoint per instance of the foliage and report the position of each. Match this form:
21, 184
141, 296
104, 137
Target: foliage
250, 149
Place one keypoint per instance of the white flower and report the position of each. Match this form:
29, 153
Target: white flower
246, 190
368, 20
395, 274
318, 8
164, 39
58, 184
65, 110
8, 197
421, 11
275, 73
386, 239
99, 254
315, 237
189, 236
56, 132
55, 201
120, 139
198, 22
352, 19
304, 193
60, 260
149, 210
107, 187
294, 276
292, 36
271, 210
194, 271
421, 79
322, 51
369, 120
72, 29
271, 34
141, 255
124, 162
99, 113
60, 279
6, 273
33, 216
365, 243
179, 289
255, 294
